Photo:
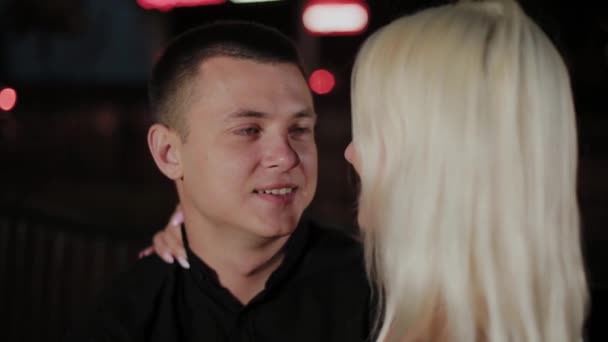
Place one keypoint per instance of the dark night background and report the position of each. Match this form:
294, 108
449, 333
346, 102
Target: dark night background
80, 195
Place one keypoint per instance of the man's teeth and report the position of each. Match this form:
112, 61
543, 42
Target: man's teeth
281, 191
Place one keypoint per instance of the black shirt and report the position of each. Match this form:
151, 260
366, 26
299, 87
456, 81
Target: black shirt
318, 293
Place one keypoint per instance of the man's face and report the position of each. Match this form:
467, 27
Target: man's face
249, 161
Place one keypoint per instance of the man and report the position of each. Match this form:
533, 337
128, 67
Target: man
235, 132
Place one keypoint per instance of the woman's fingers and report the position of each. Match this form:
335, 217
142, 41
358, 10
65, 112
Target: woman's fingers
168, 243
145, 252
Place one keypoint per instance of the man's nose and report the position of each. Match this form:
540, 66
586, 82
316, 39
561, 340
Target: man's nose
280, 155
348, 153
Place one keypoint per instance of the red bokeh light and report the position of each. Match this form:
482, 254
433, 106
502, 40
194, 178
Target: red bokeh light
167, 5
322, 81
8, 99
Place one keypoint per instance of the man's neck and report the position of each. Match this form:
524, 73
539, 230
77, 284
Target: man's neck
243, 263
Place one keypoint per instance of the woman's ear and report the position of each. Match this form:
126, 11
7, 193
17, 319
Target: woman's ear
165, 146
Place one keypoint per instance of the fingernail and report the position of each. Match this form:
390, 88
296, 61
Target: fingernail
177, 219
182, 261
168, 258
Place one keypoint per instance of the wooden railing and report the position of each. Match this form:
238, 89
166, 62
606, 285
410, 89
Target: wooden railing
51, 270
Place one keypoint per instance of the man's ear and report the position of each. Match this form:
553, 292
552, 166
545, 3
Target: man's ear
165, 146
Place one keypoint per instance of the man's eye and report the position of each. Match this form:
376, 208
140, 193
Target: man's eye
299, 130
248, 131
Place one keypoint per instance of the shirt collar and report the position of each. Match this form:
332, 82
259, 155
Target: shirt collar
207, 277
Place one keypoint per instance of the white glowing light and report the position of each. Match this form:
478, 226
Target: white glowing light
335, 18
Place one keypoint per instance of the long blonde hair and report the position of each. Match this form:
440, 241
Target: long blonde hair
464, 124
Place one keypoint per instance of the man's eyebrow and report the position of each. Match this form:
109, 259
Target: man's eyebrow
307, 113
247, 114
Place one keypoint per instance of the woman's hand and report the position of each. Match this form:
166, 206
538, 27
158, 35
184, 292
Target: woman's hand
168, 243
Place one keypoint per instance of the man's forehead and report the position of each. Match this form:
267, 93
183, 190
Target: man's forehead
223, 63
242, 88
249, 74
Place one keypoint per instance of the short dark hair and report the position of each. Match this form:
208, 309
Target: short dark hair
180, 61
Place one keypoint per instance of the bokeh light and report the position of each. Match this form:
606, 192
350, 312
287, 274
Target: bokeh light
335, 17
251, 1
8, 99
322, 81
167, 5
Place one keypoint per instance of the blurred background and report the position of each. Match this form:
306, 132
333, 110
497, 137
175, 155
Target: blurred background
79, 192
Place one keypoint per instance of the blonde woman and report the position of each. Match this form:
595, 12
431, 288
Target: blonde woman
464, 140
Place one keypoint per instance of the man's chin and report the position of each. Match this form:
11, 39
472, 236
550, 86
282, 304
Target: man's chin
277, 228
